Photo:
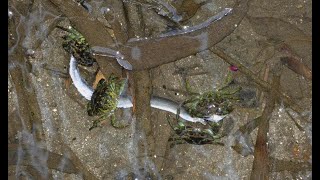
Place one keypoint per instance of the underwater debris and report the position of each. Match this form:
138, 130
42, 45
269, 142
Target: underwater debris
29, 155
233, 68
298, 67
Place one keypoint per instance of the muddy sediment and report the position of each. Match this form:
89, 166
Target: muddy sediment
48, 125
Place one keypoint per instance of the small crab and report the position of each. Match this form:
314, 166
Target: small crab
75, 44
196, 135
105, 99
210, 104
213, 105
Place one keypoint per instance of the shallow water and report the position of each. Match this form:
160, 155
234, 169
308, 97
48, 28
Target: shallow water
48, 125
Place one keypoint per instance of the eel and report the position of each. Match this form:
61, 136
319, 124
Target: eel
126, 101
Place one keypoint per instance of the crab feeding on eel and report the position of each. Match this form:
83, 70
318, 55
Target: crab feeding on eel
108, 96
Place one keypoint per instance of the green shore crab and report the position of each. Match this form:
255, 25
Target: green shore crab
105, 99
76, 45
217, 102
185, 133
208, 104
